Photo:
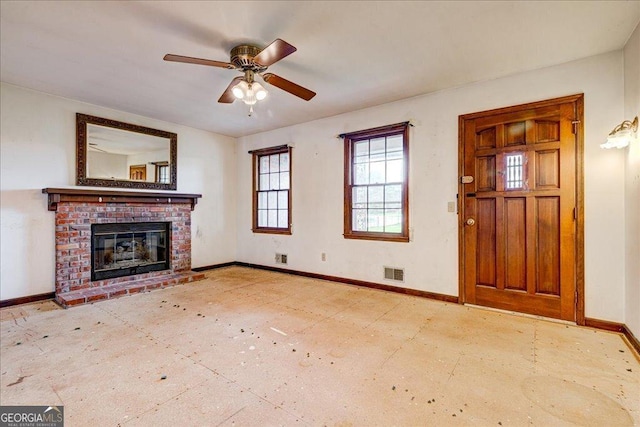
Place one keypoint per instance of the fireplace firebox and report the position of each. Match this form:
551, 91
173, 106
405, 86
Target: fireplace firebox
125, 249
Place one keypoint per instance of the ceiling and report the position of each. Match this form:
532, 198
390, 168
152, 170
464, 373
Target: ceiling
354, 54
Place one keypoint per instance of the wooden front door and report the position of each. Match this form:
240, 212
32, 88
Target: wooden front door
138, 172
519, 207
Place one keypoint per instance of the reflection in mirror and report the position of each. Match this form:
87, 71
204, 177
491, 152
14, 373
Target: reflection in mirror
117, 154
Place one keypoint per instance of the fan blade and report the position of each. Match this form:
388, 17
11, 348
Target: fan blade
227, 96
273, 53
190, 60
288, 86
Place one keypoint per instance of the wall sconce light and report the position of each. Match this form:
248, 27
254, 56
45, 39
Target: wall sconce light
622, 134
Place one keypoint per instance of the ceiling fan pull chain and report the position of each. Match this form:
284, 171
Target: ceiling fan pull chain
250, 111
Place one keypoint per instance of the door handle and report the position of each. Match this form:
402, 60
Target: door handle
471, 221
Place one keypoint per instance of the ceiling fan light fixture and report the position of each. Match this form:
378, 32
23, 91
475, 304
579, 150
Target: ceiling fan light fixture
249, 97
251, 60
259, 91
249, 93
240, 89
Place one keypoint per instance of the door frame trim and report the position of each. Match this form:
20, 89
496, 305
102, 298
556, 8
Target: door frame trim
578, 100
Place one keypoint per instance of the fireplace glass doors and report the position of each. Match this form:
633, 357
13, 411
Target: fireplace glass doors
125, 249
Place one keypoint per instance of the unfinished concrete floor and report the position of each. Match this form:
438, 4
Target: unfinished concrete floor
253, 348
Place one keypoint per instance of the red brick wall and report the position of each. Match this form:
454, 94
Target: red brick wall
73, 238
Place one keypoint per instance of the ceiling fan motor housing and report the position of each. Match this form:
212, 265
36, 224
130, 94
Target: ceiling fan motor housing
242, 57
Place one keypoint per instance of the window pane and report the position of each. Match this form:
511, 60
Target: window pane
284, 162
272, 218
264, 164
394, 143
273, 200
274, 181
262, 200
375, 220
392, 193
283, 199
394, 171
377, 172
283, 218
359, 220
361, 148
376, 196
392, 155
361, 159
264, 182
284, 180
274, 163
262, 218
359, 198
393, 220
378, 146
361, 175
514, 166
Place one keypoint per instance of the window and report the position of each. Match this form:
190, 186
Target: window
162, 172
376, 183
272, 190
515, 171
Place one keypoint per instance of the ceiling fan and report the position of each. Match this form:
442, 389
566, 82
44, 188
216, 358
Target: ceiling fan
252, 60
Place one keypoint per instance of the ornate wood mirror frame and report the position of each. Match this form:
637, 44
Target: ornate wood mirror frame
129, 133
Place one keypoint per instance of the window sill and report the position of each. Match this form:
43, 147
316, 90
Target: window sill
272, 231
383, 237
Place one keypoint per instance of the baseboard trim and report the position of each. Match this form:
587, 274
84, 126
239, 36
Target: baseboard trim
214, 266
619, 328
633, 341
26, 300
365, 284
603, 324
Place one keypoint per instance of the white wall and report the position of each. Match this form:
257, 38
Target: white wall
37, 150
632, 185
107, 165
431, 258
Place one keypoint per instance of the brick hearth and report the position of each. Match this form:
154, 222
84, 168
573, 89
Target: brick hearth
74, 216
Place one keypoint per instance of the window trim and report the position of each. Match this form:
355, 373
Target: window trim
158, 167
256, 154
349, 142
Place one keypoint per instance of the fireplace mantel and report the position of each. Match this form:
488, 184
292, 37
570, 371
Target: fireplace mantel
76, 195
78, 212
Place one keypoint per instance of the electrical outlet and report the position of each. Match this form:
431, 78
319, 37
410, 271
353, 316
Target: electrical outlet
324, 256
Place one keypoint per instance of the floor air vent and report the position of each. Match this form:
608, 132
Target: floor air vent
281, 258
396, 274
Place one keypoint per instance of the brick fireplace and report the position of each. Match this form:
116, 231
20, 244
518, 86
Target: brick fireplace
77, 210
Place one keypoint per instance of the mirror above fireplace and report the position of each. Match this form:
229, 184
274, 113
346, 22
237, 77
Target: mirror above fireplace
110, 153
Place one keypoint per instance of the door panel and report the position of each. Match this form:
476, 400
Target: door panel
547, 169
515, 243
518, 252
548, 242
486, 173
486, 264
